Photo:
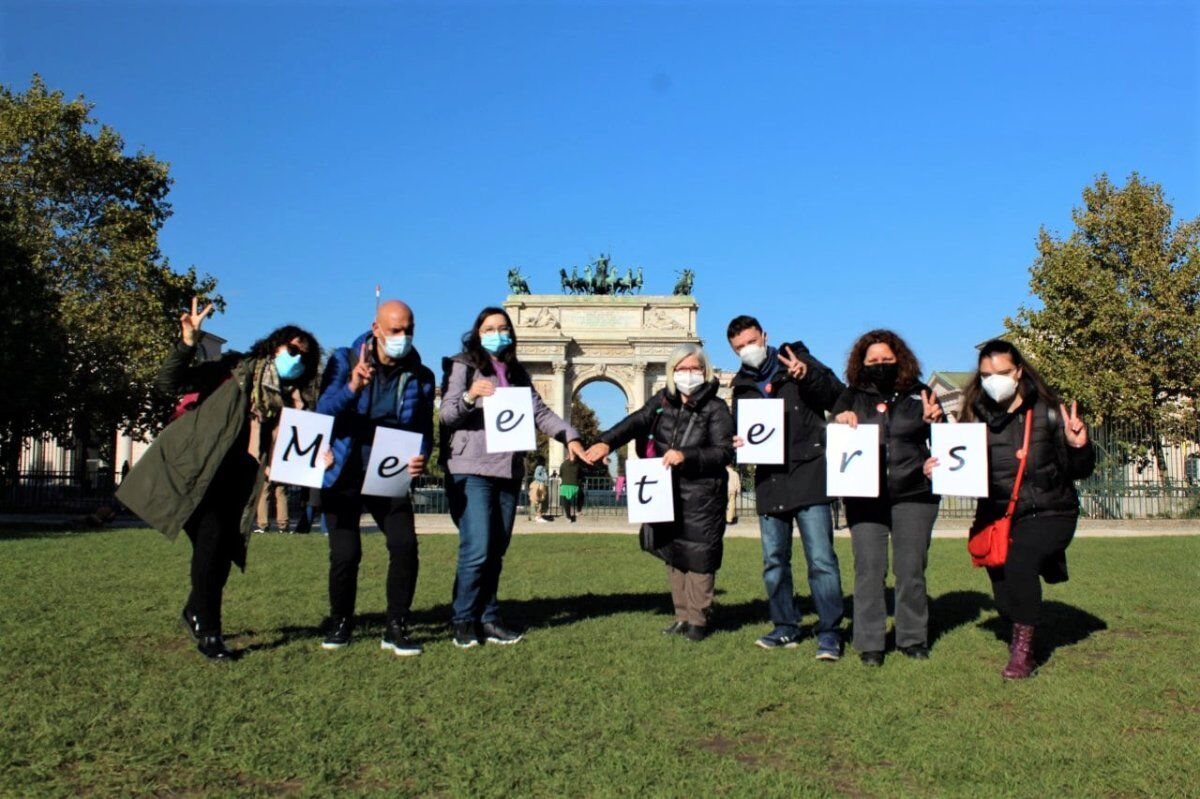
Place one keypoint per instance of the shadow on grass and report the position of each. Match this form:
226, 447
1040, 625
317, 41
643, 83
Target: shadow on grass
535, 614
1062, 625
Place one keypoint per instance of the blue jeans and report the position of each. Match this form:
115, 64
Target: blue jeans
483, 509
815, 523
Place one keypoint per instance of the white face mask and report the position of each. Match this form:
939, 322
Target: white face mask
687, 382
753, 355
1000, 388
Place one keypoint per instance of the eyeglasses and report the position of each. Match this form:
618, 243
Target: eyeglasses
293, 349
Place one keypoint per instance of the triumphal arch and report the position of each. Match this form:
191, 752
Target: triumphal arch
569, 340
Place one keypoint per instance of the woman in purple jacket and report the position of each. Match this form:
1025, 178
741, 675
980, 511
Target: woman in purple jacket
483, 487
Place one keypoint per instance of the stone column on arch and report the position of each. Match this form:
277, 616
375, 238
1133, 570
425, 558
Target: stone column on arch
561, 404
637, 398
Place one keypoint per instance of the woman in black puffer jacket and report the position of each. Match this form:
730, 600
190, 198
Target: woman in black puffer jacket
883, 375
691, 429
1004, 390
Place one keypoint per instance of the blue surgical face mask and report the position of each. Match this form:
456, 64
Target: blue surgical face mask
397, 346
495, 343
288, 365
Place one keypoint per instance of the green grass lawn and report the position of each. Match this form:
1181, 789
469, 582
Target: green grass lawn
103, 696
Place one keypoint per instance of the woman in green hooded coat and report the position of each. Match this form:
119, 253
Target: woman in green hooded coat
204, 471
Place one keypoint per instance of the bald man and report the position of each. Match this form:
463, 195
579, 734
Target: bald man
378, 381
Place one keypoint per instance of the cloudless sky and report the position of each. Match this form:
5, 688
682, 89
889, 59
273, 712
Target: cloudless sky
827, 167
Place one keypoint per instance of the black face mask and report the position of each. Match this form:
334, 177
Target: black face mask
882, 375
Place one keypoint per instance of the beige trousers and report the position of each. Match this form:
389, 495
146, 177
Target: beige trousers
692, 593
281, 508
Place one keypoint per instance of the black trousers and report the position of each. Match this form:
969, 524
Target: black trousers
343, 506
217, 541
1037, 548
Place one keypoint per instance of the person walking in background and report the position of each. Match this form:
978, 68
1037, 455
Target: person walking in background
734, 490
483, 487
1007, 394
885, 389
278, 491
378, 381
539, 491
794, 490
691, 429
568, 489
203, 472
310, 512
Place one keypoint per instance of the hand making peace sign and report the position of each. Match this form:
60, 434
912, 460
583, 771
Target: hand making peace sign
189, 323
1073, 426
362, 372
796, 368
933, 411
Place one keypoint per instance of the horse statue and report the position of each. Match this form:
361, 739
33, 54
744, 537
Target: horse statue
516, 283
684, 285
568, 287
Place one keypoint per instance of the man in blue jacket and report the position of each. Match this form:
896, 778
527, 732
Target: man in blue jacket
377, 381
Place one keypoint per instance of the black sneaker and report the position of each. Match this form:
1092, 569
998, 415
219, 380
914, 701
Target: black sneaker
190, 623
340, 630
677, 628
695, 632
873, 659
258, 528
916, 652
497, 633
396, 639
213, 647
465, 634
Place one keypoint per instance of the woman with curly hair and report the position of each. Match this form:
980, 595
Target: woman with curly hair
205, 470
885, 389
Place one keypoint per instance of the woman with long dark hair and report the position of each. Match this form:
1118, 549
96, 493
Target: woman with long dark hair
885, 388
1005, 390
204, 471
483, 487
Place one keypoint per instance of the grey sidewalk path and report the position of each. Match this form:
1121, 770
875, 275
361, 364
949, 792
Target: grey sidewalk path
747, 527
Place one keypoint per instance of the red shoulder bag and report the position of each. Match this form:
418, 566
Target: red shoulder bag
988, 543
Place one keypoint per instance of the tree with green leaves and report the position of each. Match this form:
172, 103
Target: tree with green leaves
1118, 327
92, 303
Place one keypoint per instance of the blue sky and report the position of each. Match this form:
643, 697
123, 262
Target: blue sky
828, 167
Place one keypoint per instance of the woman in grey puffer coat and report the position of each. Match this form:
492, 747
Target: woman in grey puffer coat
483, 487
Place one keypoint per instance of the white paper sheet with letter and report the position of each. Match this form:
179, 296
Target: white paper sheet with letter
508, 420
649, 491
387, 473
852, 460
760, 426
961, 450
299, 448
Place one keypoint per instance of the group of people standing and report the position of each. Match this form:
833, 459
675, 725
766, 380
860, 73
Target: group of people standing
205, 472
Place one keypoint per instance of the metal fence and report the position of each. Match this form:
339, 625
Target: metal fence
1138, 475
48, 491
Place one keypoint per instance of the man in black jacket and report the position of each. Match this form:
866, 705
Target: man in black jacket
796, 488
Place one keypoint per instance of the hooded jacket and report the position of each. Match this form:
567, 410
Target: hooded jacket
467, 442
801, 480
1048, 488
353, 426
702, 430
904, 439
166, 485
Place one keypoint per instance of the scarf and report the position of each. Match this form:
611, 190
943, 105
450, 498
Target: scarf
765, 372
267, 401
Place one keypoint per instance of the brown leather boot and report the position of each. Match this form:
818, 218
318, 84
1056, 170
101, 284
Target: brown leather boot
1020, 661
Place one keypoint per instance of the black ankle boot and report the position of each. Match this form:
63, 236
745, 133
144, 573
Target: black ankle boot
213, 647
